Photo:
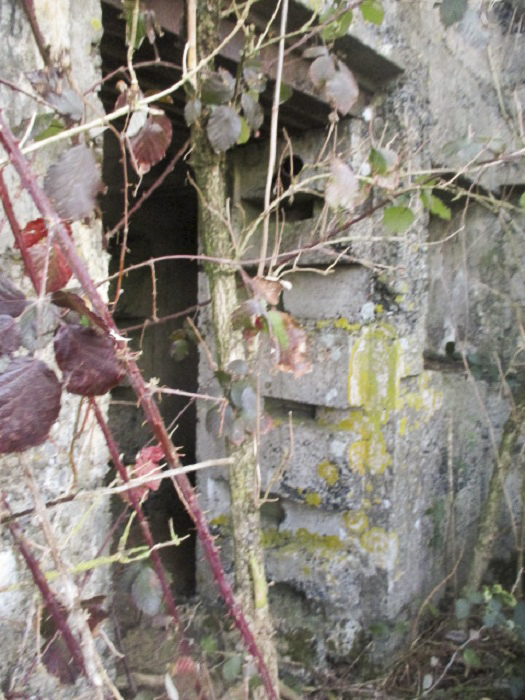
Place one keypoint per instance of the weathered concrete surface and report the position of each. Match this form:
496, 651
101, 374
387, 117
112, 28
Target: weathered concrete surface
72, 30
377, 479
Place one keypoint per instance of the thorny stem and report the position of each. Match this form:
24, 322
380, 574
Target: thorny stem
135, 502
17, 233
149, 407
52, 605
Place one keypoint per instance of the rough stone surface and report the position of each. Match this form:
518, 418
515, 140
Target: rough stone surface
74, 457
382, 456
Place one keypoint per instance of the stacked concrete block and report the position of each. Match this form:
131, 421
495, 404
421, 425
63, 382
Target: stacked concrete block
379, 463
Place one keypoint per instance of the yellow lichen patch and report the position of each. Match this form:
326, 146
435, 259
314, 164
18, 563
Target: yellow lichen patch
313, 499
329, 472
382, 546
369, 454
373, 381
356, 521
403, 425
357, 456
346, 325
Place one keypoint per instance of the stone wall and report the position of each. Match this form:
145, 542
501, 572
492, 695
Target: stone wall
381, 459
72, 30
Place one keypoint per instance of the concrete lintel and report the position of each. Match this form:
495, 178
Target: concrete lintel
371, 69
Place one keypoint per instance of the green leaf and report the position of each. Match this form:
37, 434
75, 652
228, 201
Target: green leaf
285, 93
179, 349
435, 205
338, 27
452, 11
398, 219
522, 201
53, 129
245, 132
209, 644
471, 658
231, 668
372, 11
382, 160
462, 608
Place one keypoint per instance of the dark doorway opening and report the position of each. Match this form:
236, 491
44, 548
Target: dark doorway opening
164, 226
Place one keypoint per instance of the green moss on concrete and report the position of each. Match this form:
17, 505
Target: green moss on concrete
300, 644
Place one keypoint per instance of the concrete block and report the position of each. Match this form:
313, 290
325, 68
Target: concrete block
340, 294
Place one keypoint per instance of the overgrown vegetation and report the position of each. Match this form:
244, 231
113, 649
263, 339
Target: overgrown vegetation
91, 356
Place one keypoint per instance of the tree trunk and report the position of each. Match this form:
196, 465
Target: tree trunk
209, 169
490, 519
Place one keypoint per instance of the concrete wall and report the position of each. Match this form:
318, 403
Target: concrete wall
391, 458
73, 30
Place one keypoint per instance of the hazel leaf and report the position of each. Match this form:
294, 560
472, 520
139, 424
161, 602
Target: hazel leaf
148, 146
253, 112
218, 88
224, 128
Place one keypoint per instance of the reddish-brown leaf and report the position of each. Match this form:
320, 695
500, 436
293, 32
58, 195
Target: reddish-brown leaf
87, 359
29, 404
267, 288
58, 272
148, 146
147, 464
69, 300
289, 341
35, 244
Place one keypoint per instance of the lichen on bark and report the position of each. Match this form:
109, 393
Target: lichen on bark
210, 177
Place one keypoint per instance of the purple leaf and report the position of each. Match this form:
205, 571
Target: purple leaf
148, 146
29, 404
12, 300
58, 661
87, 360
9, 335
336, 83
342, 188
224, 128
54, 87
342, 90
73, 182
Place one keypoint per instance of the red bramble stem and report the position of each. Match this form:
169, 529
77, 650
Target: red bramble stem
143, 393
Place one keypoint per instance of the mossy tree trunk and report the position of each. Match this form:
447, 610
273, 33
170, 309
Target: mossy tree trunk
510, 450
210, 177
